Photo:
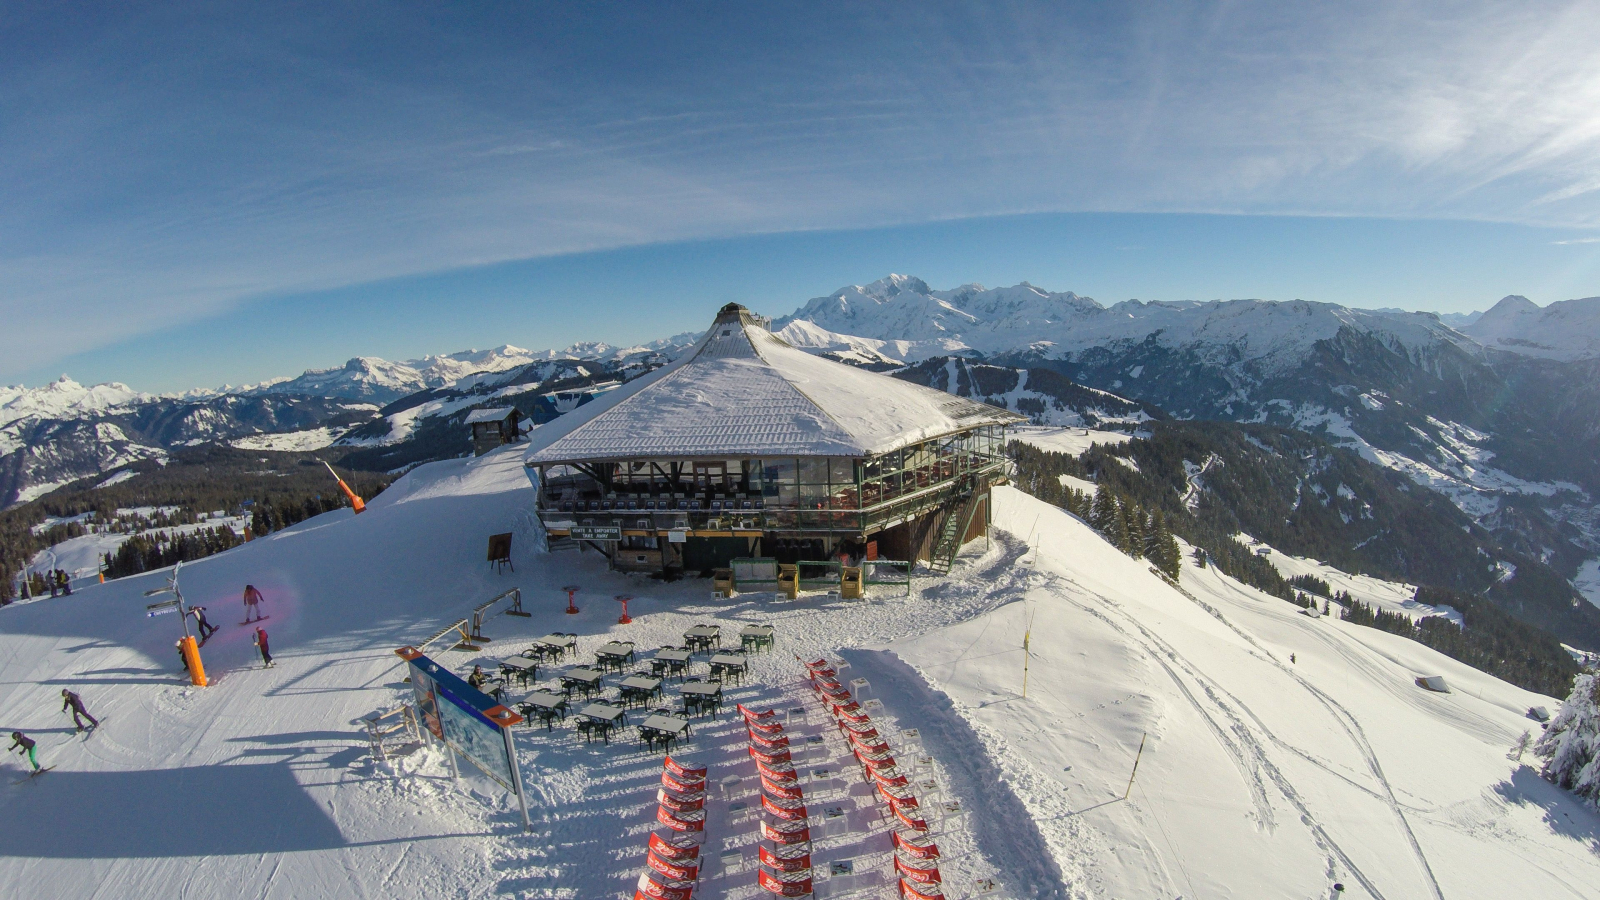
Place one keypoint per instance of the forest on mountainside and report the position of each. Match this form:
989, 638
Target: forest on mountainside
275, 489
1308, 498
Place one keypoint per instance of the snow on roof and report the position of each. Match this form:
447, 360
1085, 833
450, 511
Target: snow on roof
743, 391
496, 414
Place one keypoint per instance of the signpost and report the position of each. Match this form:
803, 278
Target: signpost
596, 532
468, 722
187, 645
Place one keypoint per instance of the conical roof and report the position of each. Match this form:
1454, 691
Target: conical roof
742, 391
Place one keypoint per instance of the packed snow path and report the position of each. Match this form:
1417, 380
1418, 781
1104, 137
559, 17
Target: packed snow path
1259, 777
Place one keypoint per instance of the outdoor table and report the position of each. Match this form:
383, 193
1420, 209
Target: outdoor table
703, 636
661, 729
546, 705
523, 669
757, 636
639, 687
702, 695
584, 679
729, 661
616, 654
676, 660
558, 642
605, 717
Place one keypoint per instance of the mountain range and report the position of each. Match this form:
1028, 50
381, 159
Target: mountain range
1498, 411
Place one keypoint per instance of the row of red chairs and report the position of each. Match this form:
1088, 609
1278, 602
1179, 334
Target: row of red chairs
916, 855
785, 869
674, 861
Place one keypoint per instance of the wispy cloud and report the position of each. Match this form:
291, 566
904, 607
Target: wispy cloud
1587, 240
159, 167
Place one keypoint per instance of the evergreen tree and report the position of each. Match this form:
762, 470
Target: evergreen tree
1133, 517
1104, 514
1161, 547
1570, 747
1118, 536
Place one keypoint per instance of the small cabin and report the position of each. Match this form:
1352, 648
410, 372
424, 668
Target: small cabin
493, 428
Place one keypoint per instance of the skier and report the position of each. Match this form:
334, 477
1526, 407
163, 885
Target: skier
18, 739
72, 701
55, 586
261, 642
252, 599
205, 628
66, 582
1291, 659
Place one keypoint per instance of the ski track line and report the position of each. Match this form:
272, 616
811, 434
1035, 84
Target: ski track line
1320, 834
1346, 720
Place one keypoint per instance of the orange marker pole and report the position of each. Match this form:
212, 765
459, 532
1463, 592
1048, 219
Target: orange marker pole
356, 502
191, 655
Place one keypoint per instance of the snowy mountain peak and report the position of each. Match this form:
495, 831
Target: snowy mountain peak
1567, 330
1024, 317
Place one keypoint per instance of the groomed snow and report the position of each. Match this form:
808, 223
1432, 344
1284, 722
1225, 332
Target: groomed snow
1259, 777
1072, 441
290, 441
1390, 596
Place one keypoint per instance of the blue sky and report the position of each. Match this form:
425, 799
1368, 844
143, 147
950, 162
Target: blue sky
223, 193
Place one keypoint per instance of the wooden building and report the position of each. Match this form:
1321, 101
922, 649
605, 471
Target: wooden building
748, 447
493, 428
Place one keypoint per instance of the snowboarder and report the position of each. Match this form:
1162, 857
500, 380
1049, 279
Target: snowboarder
477, 679
18, 739
66, 582
261, 643
252, 600
205, 628
72, 701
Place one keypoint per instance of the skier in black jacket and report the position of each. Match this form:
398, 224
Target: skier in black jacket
72, 701
18, 739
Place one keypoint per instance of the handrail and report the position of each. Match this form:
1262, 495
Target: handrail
458, 625
477, 612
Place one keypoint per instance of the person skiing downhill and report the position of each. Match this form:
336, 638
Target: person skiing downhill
261, 643
252, 601
72, 701
18, 739
205, 628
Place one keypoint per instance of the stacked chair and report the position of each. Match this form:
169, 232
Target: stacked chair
785, 852
673, 858
915, 856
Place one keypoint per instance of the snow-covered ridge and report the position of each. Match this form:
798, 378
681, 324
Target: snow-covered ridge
1566, 330
918, 322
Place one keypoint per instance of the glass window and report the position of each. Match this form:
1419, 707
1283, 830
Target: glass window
841, 471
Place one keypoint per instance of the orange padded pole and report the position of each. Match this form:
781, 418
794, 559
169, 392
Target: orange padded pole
191, 655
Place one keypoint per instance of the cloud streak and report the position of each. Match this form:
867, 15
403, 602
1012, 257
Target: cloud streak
164, 166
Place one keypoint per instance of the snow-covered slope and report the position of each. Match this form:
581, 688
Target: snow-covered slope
1566, 330
1259, 777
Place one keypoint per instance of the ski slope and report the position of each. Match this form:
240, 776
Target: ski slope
1259, 777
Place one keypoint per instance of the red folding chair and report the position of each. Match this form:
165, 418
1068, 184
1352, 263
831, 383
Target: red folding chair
782, 791
790, 836
919, 874
785, 863
925, 849
681, 772
774, 885
788, 811
679, 804
674, 871
675, 852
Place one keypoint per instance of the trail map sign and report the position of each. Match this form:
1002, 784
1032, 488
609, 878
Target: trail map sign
468, 721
